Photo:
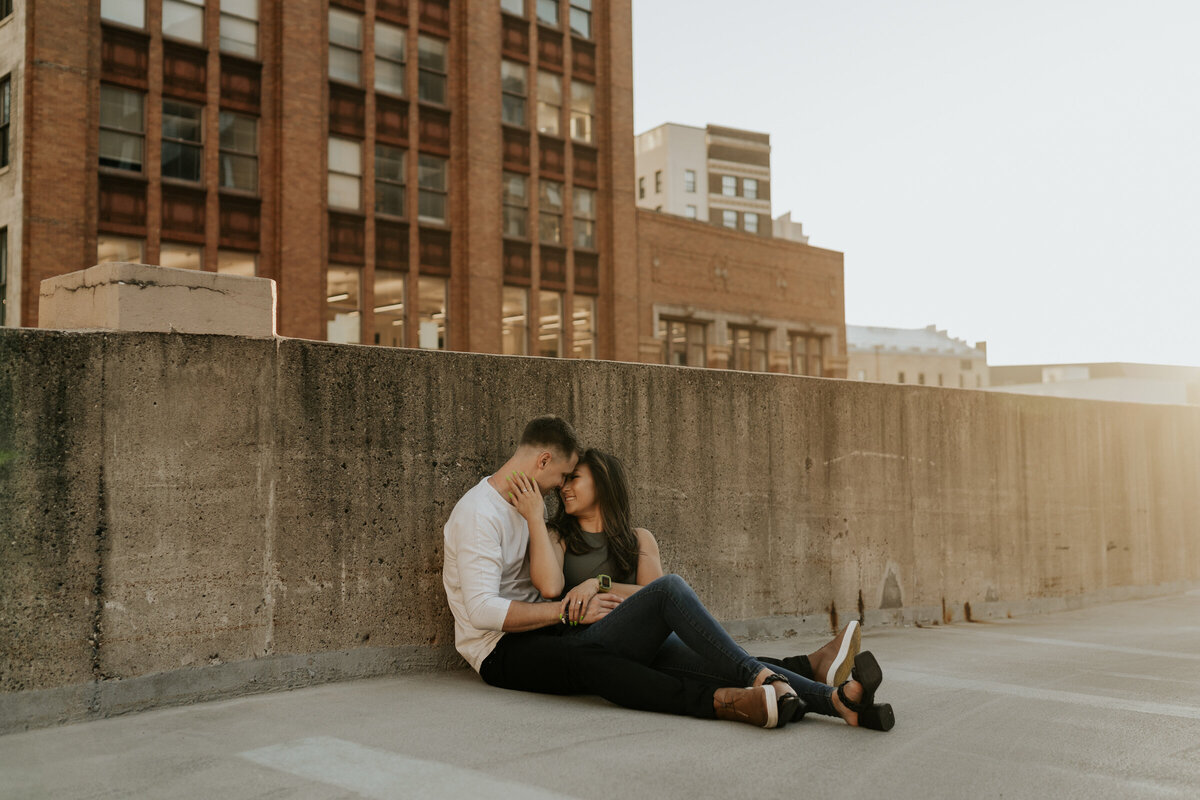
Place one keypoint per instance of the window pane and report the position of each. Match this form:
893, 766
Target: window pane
513, 7
345, 29
549, 335
238, 36
120, 150
345, 156
389, 41
431, 88
550, 88
550, 228
181, 121
389, 77
581, 22
585, 234
243, 8
729, 219
389, 199
585, 203
515, 192
119, 248
183, 20
750, 188
550, 195
516, 222
127, 12
431, 306
231, 262
181, 256
583, 320
389, 163
690, 212
547, 11
431, 172
345, 191
689, 180
182, 161
344, 65
514, 321
239, 172
514, 78
121, 108
432, 54
729, 186
239, 133
750, 222
431, 206
343, 318
513, 110
389, 308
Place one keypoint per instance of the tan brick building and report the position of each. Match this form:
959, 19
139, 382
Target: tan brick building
427, 173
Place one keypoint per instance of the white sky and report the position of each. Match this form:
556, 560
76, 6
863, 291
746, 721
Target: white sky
1022, 172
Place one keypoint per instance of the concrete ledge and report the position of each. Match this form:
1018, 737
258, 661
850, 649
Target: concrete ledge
139, 297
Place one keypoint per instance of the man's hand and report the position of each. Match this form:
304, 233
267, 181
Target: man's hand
578, 598
524, 496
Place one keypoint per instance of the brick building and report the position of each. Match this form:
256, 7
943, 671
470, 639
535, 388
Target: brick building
427, 173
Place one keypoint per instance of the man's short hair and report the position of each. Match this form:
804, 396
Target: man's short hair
553, 433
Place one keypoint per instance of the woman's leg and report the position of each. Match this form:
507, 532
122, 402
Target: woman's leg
677, 659
638, 627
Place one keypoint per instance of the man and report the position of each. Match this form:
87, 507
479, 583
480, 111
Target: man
514, 640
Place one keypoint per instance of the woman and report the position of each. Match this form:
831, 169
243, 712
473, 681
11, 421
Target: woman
592, 541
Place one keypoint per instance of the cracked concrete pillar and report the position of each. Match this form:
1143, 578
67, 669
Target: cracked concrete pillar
140, 297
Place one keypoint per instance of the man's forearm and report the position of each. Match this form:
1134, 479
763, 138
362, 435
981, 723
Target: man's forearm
530, 616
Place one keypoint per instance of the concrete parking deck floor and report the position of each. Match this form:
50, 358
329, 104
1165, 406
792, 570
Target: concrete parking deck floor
1100, 702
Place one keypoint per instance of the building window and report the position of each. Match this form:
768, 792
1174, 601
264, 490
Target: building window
749, 349
513, 7
231, 262
585, 218
345, 46
941, 379
514, 321
583, 110
343, 301
966, 364
389, 58
642, 188
900, 377
729, 186
182, 144
808, 355
516, 205
389, 308
183, 19
583, 324
547, 12
431, 188
921, 378
122, 128
581, 18
6, 8
549, 333
345, 173
658, 181
549, 103
689, 180
4, 269
181, 256
862, 374
683, 343
514, 86
389, 180
239, 27
126, 12
750, 188
5, 117
690, 212
729, 219
550, 211
120, 249
239, 152
750, 222
431, 68
431, 309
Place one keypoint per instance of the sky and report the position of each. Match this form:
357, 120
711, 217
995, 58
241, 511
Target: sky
1025, 173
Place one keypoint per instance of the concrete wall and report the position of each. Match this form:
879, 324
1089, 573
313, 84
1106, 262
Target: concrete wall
185, 517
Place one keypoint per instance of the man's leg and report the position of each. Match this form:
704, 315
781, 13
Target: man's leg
552, 664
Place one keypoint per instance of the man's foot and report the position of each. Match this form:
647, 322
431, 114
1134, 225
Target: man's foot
832, 663
755, 706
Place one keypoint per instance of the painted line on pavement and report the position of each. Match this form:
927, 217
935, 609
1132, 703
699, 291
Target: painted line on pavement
1112, 648
1052, 695
383, 775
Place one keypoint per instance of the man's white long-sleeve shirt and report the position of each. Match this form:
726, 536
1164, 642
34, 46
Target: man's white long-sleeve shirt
485, 568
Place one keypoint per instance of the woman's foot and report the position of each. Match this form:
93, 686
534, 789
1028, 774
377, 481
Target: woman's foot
853, 691
854, 700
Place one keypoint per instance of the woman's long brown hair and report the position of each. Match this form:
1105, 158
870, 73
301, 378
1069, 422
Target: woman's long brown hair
612, 495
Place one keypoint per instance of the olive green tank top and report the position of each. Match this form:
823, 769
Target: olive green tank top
578, 568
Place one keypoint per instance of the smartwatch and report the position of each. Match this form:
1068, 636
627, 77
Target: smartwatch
605, 582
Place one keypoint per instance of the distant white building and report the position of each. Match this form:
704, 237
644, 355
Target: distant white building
1120, 382
712, 174
925, 356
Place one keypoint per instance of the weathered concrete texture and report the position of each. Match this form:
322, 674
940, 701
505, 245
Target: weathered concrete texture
240, 504
140, 297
